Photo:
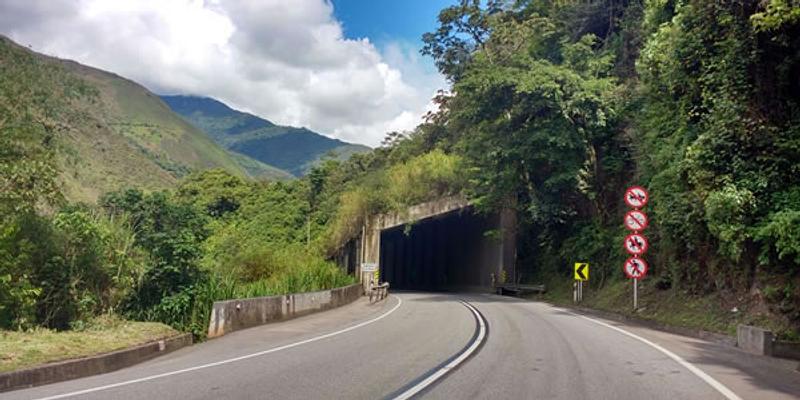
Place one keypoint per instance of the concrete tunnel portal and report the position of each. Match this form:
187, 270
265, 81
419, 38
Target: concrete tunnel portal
447, 252
440, 246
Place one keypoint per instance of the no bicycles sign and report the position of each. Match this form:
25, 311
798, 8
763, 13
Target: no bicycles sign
636, 220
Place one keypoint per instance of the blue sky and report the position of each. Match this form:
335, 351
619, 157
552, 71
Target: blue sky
395, 27
384, 21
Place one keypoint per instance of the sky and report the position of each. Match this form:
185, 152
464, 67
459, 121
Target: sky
349, 69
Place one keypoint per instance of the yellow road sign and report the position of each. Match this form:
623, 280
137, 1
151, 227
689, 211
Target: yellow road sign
581, 271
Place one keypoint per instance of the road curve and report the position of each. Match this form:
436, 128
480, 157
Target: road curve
371, 351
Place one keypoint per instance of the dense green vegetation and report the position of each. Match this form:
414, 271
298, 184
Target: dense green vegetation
161, 256
294, 150
71, 133
139, 252
557, 106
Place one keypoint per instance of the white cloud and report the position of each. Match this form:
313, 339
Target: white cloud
287, 61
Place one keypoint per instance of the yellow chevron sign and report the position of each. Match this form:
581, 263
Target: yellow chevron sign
581, 271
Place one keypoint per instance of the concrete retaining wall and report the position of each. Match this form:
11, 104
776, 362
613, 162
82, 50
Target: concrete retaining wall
232, 315
754, 340
762, 342
99, 364
784, 349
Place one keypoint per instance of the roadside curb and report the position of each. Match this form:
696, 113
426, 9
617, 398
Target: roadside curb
92, 365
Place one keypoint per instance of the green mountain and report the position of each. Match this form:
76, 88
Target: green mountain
291, 149
112, 132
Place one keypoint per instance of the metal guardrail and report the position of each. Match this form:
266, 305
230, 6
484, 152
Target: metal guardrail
519, 290
379, 292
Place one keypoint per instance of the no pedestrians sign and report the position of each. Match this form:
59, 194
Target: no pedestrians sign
635, 268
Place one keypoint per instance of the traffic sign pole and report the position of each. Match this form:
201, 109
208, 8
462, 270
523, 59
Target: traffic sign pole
636, 197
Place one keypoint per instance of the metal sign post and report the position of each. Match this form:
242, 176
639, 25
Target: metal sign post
635, 244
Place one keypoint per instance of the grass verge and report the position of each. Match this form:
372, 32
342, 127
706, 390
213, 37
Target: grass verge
24, 349
712, 313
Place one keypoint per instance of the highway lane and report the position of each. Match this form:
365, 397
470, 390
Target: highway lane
370, 351
367, 362
537, 351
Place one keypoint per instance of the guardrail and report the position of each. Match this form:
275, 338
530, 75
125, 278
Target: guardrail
379, 292
519, 290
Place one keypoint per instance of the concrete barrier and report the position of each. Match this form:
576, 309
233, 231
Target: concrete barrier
754, 340
93, 365
232, 315
786, 349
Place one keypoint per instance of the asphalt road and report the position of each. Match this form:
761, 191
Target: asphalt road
526, 350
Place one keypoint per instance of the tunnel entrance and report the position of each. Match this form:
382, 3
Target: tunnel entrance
458, 250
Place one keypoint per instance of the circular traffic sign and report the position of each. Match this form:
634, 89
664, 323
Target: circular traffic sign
636, 197
636, 220
635, 268
636, 244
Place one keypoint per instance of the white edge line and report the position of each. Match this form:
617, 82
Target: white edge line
452, 364
228, 361
729, 394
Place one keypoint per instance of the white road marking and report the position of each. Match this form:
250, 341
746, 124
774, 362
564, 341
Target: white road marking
228, 361
452, 364
729, 394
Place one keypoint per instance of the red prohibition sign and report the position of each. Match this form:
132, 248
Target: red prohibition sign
635, 268
636, 244
636, 220
636, 197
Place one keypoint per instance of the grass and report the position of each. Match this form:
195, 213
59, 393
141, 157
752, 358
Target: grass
24, 349
669, 307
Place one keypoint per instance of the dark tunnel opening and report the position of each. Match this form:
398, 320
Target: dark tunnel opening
453, 251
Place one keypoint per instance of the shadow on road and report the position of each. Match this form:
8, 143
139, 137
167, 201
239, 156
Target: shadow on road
472, 297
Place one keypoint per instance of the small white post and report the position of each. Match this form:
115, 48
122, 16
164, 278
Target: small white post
635, 294
575, 292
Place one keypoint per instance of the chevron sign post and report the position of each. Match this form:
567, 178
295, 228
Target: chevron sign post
636, 244
581, 273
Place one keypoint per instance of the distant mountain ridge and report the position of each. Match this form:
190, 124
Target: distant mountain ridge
291, 149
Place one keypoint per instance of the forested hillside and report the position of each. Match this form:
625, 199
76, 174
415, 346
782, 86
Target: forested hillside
109, 132
290, 149
88, 228
557, 106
